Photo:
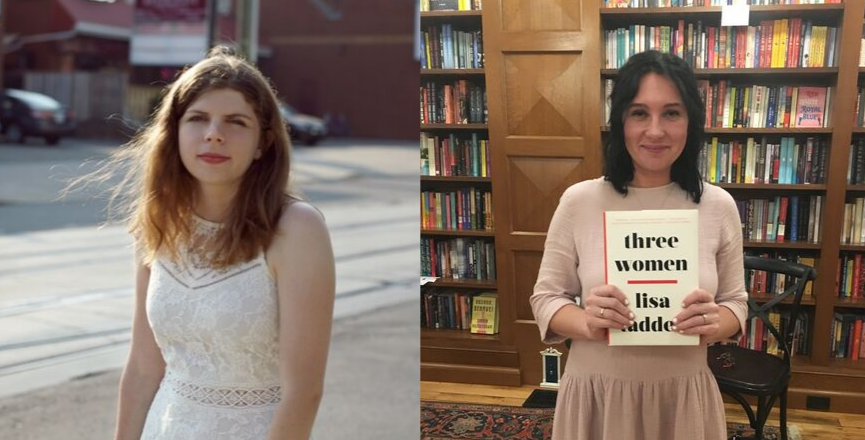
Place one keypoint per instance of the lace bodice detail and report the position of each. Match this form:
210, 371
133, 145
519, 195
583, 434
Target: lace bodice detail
217, 329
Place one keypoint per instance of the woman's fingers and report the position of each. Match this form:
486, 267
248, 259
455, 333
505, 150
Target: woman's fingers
702, 324
606, 317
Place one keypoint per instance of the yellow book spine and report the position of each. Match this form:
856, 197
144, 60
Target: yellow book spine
776, 27
713, 160
782, 53
484, 159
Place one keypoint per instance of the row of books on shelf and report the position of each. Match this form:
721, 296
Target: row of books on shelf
476, 312
458, 258
851, 276
730, 105
846, 339
759, 282
459, 102
782, 218
758, 337
786, 162
451, 5
779, 43
454, 155
463, 209
443, 47
699, 3
852, 231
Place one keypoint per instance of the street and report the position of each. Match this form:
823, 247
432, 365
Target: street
66, 296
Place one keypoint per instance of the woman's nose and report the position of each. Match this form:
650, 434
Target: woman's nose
655, 128
213, 133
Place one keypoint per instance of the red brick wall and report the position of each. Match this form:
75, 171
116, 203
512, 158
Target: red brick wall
361, 66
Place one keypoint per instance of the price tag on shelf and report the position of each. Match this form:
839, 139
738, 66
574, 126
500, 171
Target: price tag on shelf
735, 15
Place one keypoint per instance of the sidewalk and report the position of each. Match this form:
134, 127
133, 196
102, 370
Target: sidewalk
372, 389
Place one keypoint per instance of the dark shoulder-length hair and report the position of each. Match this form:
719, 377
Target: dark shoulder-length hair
618, 165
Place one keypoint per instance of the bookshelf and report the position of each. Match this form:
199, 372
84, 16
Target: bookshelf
457, 354
545, 72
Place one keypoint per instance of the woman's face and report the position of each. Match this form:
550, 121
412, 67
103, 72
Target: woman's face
219, 138
656, 129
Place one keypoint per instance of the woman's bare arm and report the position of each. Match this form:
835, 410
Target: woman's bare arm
306, 282
144, 367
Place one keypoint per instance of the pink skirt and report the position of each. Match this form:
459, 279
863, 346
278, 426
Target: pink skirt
614, 393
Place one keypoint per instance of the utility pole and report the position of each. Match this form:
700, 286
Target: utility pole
211, 23
247, 28
2, 47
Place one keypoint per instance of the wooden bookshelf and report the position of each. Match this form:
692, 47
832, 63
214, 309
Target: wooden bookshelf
450, 15
759, 74
784, 245
462, 335
451, 72
452, 127
760, 299
449, 354
455, 179
459, 232
463, 284
756, 131
772, 186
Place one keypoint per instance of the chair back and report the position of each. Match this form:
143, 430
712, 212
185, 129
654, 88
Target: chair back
803, 274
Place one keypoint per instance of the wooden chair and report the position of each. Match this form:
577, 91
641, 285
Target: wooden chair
743, 372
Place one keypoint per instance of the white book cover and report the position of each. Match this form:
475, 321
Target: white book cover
652, 257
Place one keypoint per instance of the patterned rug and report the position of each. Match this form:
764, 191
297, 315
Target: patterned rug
457, 421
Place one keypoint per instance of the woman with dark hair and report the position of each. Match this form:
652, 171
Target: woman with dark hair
234, 273
651, 162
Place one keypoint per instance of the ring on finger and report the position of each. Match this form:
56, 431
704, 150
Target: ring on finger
601, 313
705, 321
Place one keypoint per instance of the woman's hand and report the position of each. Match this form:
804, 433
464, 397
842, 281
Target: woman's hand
701, 316
606, 307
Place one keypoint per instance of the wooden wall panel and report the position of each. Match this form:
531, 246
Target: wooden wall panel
544, 89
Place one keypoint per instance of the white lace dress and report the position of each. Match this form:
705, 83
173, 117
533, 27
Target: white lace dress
217, 330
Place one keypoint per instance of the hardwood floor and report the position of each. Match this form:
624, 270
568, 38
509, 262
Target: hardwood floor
813, 425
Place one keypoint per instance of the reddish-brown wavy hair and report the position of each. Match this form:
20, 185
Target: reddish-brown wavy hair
157, 194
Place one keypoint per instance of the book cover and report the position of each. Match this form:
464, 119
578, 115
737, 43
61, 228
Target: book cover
652, 257
810, 106
485, 314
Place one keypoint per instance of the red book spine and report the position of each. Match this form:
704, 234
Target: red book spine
788, 102
782, 220
741, 42
711, 48
765, 43
857, 267
857, 339
719, 116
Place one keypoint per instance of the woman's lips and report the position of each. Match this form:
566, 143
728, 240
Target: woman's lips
213, 158
654, 149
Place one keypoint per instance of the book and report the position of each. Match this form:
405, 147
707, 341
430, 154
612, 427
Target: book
810, 107
485, 314
652, 257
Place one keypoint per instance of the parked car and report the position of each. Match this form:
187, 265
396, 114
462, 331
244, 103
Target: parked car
303, 128
24, 113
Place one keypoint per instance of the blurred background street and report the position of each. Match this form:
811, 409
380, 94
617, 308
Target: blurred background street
66, 297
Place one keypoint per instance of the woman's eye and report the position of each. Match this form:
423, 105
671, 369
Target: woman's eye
638, 113
238, 122
673, 113
195, 118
